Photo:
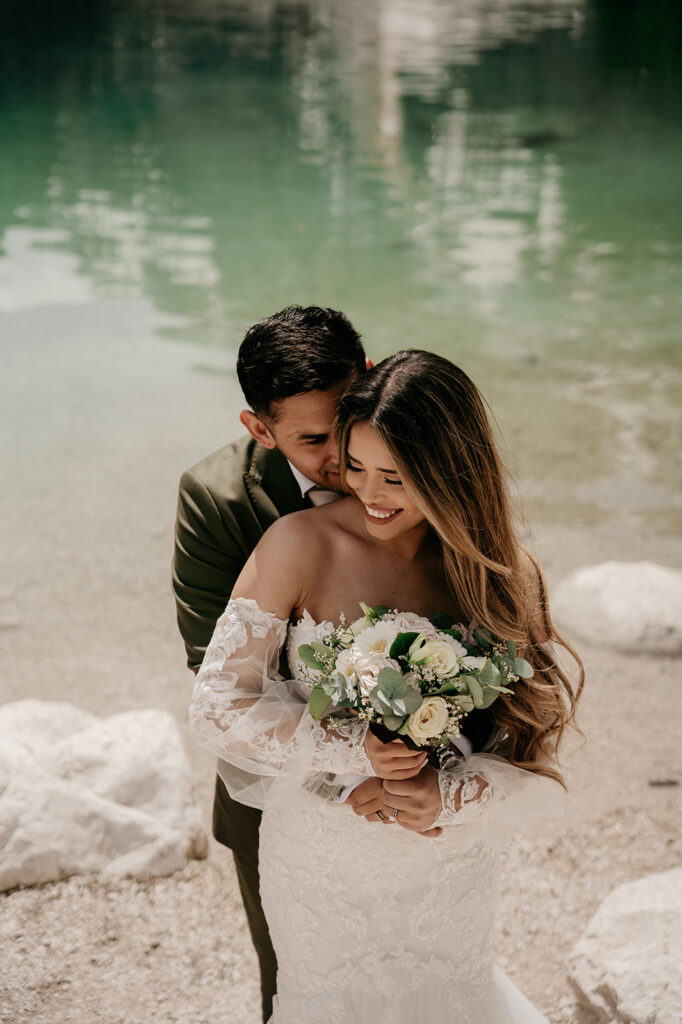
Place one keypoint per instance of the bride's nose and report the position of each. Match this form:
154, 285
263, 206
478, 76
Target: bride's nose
373, 492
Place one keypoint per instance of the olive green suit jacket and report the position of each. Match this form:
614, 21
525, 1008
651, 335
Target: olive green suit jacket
225, 504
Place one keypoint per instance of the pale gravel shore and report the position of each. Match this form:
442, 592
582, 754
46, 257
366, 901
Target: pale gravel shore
177, 949
94, 440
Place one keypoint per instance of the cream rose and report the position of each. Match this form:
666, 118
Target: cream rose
471, 662
367, 668
408, 622
442, 655
429, 720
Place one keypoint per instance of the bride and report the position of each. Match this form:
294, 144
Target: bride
387, 915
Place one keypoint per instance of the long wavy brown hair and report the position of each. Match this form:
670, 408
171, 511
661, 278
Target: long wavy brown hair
433, 422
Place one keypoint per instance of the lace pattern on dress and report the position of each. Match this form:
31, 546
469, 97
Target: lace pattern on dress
257, 723
491, 797
462, 796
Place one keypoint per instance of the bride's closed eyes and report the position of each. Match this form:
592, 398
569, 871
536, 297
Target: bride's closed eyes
357, 469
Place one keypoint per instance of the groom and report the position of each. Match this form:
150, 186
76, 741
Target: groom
293, 367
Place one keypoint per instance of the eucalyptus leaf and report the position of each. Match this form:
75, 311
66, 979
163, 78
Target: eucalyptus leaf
380, 702
392, 683
322, 649
318, 702
393, 722
308, 657
339, 688
464, 701
412, 700
489, 674
489, 696
475, 690
402, 731
522, 668
511, 648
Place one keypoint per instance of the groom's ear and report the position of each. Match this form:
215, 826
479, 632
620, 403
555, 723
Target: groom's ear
258, 430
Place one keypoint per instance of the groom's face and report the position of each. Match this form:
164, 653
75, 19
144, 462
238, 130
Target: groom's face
302, 429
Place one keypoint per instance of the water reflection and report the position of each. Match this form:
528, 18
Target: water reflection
498, 180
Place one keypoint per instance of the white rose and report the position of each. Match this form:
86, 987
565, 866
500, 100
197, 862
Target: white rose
408, 622
441, 655
429, 720
471, 662
367, 668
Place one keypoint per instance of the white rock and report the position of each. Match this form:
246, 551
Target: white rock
80, 794
635, 606
626, 967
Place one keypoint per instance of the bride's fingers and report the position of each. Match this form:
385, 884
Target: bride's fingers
398, 774
413, 761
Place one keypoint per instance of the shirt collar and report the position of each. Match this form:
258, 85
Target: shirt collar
303, 482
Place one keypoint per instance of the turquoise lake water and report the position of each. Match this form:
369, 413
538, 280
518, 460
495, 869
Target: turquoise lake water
498, 181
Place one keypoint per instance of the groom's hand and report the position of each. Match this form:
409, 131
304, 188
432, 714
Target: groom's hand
367, 798
417, 800
393, 760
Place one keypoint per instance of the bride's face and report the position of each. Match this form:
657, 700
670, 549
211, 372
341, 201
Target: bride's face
371, 474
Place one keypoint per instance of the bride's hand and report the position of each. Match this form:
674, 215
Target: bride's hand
393, 760
417, 800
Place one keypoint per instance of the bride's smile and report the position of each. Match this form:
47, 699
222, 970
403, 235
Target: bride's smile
382, 514
372, 476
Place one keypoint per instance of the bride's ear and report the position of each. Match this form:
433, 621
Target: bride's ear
258, 430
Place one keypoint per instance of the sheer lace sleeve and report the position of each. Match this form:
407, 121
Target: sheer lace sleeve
491, 798
256, 722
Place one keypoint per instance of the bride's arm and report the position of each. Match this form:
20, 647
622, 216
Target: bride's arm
241, 709
485, 793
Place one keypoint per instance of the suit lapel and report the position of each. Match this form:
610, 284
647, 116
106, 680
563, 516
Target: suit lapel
271, 486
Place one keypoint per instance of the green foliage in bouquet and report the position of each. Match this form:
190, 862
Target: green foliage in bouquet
419, 686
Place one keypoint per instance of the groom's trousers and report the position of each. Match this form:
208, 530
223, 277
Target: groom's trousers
236, 826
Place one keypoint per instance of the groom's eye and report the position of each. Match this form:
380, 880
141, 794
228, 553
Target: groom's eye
318, 439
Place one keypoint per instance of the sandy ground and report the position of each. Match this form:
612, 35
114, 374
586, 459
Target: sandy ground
94, 435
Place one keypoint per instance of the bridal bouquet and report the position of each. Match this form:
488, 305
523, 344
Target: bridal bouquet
415, 677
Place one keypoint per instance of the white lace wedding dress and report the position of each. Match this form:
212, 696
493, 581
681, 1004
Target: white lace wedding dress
372, 924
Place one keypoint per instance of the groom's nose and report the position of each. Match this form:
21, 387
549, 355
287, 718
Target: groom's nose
331, 454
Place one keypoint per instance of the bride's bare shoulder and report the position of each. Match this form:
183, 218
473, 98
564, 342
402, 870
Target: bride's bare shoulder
311, 531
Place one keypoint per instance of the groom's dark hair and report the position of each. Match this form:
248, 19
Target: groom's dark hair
299, 349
